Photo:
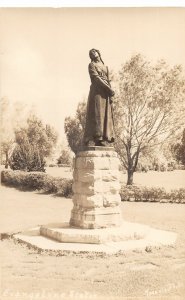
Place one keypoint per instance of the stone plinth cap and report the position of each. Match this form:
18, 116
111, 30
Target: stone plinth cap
96, 151
96, 148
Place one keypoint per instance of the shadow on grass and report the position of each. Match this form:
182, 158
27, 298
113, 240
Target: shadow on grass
19, 188
37, 192
55, 195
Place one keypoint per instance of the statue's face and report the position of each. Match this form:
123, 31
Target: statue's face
94, 54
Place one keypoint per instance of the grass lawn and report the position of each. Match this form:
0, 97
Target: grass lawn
65, 172
159, 274
168, 180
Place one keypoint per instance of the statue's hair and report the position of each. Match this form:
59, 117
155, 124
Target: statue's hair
90, 54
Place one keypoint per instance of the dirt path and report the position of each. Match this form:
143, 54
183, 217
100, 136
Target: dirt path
26, 275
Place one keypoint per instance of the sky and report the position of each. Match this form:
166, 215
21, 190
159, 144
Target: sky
45, 51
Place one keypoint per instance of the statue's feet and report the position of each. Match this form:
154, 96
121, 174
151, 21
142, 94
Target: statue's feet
101, 143
90, 144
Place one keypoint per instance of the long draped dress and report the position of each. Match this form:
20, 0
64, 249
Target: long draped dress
99, 118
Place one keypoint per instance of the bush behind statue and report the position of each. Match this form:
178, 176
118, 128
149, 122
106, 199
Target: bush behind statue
152, 194
37, 181
63, 187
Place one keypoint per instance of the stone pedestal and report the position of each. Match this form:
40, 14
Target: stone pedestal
96, 189
95, 225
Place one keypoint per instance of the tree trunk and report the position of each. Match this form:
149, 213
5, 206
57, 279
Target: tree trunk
130, 174
130, 170
6, 163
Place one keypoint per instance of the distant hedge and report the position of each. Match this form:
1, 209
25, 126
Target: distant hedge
37, 181
61, 186
152, 194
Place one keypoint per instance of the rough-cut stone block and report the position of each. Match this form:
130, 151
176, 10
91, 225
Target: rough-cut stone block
110, 175
92, 175
98, 153
96, 190
95, 218
98, 163
83, 188
111, 187
93, 163
95, 187
88, 175
111, 200
88, 201
107, 220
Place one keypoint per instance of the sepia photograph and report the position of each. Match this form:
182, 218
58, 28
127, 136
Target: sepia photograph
92, 136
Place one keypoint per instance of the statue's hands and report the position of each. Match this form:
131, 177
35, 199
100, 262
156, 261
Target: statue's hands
111, 100
112, 93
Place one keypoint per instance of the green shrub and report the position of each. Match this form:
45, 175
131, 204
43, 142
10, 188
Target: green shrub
62, 186
65, 158
63, 165
52, 165
57, 185
27, 159
34, 181
127, 193
152, 194
178, 195
37, 181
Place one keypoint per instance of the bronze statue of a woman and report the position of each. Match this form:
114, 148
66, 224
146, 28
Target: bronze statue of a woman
99, 130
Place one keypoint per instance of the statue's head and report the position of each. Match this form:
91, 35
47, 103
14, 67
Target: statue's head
93, 53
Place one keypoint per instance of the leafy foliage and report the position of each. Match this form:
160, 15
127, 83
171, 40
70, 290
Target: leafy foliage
179, 149
34, 143
13, 116
151, 194
37, 181
64, 158
149, 109
27, 157
149, 105
75, 126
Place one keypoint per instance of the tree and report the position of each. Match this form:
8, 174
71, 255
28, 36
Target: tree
64, 158
12, 115
7, 137
75, 126
179, 149
34, 143
148, 108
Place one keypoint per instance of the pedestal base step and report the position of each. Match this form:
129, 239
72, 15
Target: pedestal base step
69, 234
130, 236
